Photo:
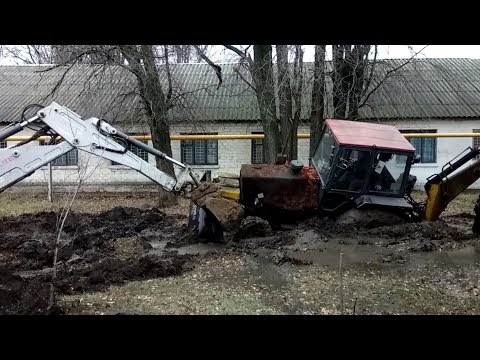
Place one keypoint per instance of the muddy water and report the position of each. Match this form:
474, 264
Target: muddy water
367, 255
330, 256
459, 257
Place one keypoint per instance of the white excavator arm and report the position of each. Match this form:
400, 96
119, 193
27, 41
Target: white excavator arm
68, 131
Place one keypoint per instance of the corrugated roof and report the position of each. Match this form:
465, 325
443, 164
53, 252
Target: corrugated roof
423, 88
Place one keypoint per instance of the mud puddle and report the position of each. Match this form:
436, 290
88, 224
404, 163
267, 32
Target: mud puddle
467, 256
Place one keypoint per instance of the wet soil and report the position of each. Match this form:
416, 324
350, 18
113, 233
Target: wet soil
94, 251
117, 246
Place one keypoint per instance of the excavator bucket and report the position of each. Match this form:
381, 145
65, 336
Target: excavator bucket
214, 211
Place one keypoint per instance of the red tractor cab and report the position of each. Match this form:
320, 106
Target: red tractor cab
363, 164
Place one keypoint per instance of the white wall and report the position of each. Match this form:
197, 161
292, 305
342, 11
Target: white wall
447, 148
233, 153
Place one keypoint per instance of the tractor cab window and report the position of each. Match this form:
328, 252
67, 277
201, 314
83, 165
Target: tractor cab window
323, 157
388, 172
351, 169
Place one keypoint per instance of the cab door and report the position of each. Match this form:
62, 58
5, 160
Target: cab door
349, 172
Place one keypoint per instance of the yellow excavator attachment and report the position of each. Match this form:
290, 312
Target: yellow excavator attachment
441, 193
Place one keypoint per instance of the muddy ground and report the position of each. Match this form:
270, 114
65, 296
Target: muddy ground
124, 254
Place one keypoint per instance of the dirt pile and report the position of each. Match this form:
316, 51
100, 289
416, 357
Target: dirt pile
252, 226
95, 251
111, 270
21, 296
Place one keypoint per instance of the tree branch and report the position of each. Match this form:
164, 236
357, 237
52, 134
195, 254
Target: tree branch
218, 69
74, 59
387, 75
244, 79
242, 54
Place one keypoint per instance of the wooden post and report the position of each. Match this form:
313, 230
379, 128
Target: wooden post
50, 185
341, 281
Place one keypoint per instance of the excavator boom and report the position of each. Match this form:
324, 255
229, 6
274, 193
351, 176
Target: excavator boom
445, 186
94, 136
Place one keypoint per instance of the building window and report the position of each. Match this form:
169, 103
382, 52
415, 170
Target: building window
425, 147
142, 154
68, 159
476, 142
3, 144
257, 150
199, 152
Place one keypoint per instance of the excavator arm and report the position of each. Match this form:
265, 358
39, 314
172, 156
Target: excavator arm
94, 136
445, 186
67, 130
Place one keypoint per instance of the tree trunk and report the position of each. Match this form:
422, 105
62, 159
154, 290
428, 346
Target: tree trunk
142, 63
359, 71
318, 94
350, 64
263, 78
339, 73
157, 109
297, 97
285, 102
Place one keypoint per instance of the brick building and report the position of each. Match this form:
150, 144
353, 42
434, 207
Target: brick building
432, 95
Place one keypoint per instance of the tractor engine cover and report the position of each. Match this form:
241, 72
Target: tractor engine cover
283, 191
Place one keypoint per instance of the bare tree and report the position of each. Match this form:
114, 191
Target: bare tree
285, 100
27, 54
264, 86
86, 54
290, 88
143, 61
351, 66
298, 81
318, 95
186, 53
261, 71
84, 172
356, 79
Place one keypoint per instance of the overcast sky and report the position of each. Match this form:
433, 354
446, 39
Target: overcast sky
388, 52
220, 54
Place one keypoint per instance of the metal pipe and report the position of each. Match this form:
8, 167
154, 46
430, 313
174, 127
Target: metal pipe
257, 136
7, 132
442, 135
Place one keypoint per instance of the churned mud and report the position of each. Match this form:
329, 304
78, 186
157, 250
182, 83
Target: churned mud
145, 260
94, 251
